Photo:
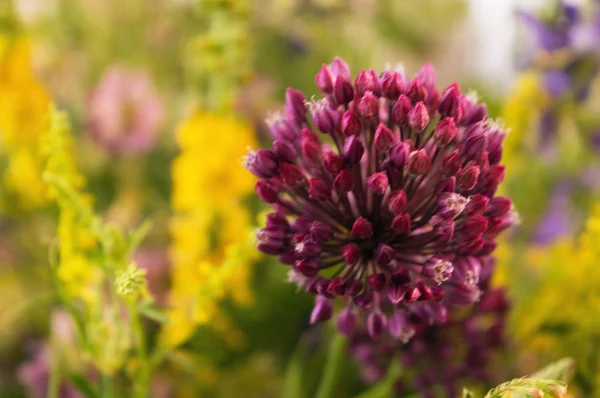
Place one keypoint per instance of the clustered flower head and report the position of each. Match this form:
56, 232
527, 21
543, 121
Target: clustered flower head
439, 359
124, 112
384, 196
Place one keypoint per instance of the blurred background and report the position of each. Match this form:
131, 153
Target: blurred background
165, 96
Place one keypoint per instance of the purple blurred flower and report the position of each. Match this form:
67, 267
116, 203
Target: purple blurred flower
439, 359
124, 112
557, 221
35, 375
400, 212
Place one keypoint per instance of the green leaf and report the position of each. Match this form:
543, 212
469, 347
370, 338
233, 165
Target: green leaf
561, 370
150, 311
84, 385
293, 385
332, 367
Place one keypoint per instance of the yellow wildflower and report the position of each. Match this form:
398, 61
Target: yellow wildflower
23, 120
212, 248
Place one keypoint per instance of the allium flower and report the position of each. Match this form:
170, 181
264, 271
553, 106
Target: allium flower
394, 208
439, 359
124, 112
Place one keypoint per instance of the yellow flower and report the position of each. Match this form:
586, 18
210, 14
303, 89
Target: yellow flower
212, 250
23, 120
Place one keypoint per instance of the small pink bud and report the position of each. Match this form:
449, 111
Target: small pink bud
336, 286
307, 267
498, 207
295, 105
352, 253
467, 178
418, 117
395, 293
350, 123
332, 162
452, 163
398, 202
378, 182
266, 191
324, 79
400, 326
401, 109
450, 102
347, 321
384, 254
384, 138
401, 224
399, 154
318, 189
285, 151
376, 281
362, 228
367, 80
343, 91
353, 150
392, 86
419, 162
290, 174
320, 232
343, 181
477, 205
412, 294
322, 311
368, 106
376, 324
445, 131
416, 92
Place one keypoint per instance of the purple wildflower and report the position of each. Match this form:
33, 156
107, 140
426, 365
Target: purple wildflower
438, 360
399, 212
124, 112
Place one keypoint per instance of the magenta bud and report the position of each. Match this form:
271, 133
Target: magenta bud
322, 311
318, 189
343, 91
392, 86
401, 224
399, 154
474, 145
436, 311
416, 92
398, 202
401, 276
352, 253
498, 207
346, 321
401, 109
290, 174
337, 286
266, 191
451, 204
325, 118
467, 178
426, 293
477, 205
445, 131
438, 269
302, 223
447, 185
378, 182
452, 163
464, 294
340, 68
367, 80
285, 151
449, 105
308, 248
262, 163
395, 293
353, 287
307, 267
295, 105
362, 228
384, 254
282, 129
443, 229
418, 117
368, 106
419, 162
343, 181
364, 301
353, 150
324, 79
376, 281
412, 294
350, 123
376, 324
400, 326
332, 162
320, 232
426, 75
487, 248
384, 138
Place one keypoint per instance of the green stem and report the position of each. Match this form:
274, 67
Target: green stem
384, 388
143, 377
332, 367
107, 386
54, 382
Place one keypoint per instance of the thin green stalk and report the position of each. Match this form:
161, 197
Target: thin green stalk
54, 382
384, 387
332, 367
107, 386
143, 377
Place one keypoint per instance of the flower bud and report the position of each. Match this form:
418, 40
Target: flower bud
477, 205
308, 248
343, 91
285, 151
445, 131
362, 228
401, 223
352, 253
324, 79
446, 186
290, 174
324, 117
418, 117
336, 286
401, 109
401, 327
376, 281
307, 267
378, 182
295, 105
451, 204
311, 151
353, 287
350, 123
399, 154
266, 191
347, 321
368, 106
419, 162
395, 293
332, 162
364, 301
376, 324
353, 150
320, 232
452, 163
467, 178
438, 269
384, 138
498, 207
367, 80
450, 102
318, 189
397, 202
392, 86
384, 254
262, 163
412, 294
322, 311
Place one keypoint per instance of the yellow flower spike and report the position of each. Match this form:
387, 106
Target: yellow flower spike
23, 121
211, 251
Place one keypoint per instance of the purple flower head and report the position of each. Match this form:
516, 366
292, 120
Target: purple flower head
380, 217
124, 112
438, 359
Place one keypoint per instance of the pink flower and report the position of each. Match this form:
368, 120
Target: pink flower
124, 111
